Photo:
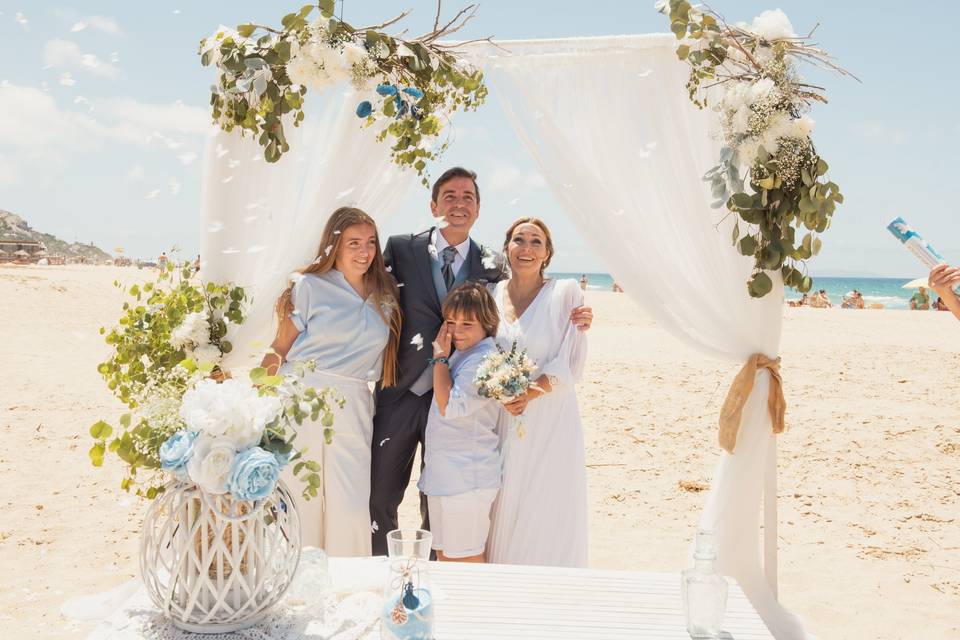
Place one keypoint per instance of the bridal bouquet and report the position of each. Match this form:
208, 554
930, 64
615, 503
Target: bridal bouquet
505, 376
230, 437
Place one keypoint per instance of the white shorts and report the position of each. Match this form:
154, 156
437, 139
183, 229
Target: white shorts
460, 523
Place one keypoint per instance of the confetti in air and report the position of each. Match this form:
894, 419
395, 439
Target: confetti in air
227, 179
344, 194
215, 227
383, 441
66, 79
417, 341
153, 194
78, 26
187, 158
221, 151
328, 249
374, 527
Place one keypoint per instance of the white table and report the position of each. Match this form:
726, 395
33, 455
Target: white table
478, 601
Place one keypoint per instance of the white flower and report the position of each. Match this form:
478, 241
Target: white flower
209, 465
761, 89
233, 410
194, 330
207, 353
803, 126
354, 54
772, 25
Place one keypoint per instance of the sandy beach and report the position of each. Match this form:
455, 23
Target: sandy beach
869, 483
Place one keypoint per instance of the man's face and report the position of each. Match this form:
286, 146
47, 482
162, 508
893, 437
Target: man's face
457, 205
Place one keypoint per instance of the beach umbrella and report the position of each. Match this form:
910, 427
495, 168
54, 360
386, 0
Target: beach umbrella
916, 284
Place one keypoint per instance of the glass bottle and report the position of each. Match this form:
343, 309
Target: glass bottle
704, 591
408, 608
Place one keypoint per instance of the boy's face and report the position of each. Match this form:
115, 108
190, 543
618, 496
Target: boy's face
465, 332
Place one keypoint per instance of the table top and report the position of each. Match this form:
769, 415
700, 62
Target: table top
473, 601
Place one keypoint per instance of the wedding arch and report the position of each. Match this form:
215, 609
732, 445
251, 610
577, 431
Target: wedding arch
633, 162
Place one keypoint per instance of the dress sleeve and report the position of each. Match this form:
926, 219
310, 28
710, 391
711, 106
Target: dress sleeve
464, 399
567, 367
300, 297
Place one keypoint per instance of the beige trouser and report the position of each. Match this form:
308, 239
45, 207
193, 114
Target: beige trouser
338, 519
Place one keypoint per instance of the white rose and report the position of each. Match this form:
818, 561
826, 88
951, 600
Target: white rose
207, 353
354, 54
232, 409
772, 25
209, 465
761, 89
194, 331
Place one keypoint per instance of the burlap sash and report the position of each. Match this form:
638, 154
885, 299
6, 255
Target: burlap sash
732, 410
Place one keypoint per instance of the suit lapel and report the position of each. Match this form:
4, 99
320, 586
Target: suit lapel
421, 256
474, 262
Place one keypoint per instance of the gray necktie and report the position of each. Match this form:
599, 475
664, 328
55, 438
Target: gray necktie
449, 253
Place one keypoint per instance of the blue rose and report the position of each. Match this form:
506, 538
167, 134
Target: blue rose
413, 91
176, 451
254, 474
386, 90
364, 109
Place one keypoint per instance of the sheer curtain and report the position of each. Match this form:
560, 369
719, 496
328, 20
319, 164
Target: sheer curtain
610, 124
262, 221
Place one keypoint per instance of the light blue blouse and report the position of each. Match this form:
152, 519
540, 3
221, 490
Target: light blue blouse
462, 447
344, 334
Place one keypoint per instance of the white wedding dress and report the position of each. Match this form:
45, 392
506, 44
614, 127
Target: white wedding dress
540, 517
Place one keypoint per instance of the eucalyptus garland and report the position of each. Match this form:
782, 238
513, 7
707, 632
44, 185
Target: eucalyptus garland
784, 202
264, 75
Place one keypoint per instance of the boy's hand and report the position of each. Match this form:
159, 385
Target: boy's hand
442, 343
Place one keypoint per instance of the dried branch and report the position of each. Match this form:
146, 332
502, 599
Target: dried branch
436, 20
377, 27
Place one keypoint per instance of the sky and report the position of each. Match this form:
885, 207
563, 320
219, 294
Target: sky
104, 107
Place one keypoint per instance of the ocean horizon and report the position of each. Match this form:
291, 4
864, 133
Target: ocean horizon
886, 291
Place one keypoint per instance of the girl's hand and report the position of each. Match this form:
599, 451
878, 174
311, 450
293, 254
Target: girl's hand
442, 343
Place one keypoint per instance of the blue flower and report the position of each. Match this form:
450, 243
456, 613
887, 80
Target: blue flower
364, 109
254, 474
413, 91
386, 90
176, 451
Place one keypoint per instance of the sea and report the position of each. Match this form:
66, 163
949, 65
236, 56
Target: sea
885, 291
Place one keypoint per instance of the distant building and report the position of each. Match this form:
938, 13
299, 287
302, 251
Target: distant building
15, 247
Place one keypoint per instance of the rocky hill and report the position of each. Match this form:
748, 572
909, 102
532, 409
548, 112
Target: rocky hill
13, 226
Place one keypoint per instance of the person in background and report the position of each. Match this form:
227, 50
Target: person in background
943, 279
920, 300
583, 282
617, 288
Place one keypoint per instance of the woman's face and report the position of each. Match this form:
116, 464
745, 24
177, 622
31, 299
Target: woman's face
527, 249
358, 248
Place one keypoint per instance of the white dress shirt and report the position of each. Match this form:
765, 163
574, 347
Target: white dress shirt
438, 241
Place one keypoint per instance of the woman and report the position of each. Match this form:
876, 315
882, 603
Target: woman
341, 313
541, 515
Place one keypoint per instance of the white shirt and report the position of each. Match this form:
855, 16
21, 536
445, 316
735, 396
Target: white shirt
438, 241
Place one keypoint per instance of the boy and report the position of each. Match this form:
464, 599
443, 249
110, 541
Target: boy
462, 466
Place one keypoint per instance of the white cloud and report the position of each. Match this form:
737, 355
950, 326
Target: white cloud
9, 172
66, 54
31, 119
509, 177
105, 24
169, 118
877, 130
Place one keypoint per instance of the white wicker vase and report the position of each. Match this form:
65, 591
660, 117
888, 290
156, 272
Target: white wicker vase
213, 564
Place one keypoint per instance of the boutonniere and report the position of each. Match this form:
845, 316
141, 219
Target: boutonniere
488, 258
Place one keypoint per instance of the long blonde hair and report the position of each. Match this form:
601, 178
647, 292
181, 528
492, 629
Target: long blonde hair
376, 281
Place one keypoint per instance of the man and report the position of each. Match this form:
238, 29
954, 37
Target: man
427, 265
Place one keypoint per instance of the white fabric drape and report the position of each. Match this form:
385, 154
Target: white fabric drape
262, 221
609, 122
